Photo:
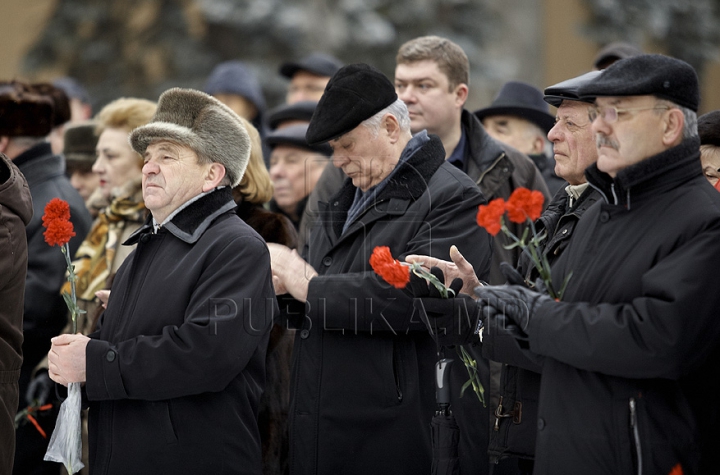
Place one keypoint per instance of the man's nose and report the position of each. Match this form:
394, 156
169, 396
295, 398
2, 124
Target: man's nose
406, 94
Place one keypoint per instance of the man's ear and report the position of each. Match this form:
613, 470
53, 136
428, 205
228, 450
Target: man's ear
391, 127
461, 94
213, 176
673, 127
4, 141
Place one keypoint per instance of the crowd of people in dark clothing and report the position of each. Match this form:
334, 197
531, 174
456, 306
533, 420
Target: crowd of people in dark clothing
231, 321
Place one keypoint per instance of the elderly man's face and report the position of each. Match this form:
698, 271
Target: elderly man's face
366, 159
171, 176
573, 142
294, 172
306, 86
430, 101
516, 132
635, 136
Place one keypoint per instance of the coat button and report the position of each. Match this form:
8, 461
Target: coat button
327, 260
604, 217
541, 424
304, 334
144, 238
110, 356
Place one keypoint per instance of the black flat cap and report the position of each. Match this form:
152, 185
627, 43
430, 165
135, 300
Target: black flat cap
568, 89
355, 93
316, 63
613, 52
299, 111
647, 74
709, 128
521, 100
295, 135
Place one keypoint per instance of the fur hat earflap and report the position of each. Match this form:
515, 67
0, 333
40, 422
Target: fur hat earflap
201, 122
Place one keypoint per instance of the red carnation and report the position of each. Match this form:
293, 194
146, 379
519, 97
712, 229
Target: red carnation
391, 270
56, 209
524, 204
676, 470
489, 216
57, 221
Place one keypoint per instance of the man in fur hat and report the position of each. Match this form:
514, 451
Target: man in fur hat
363, 395
174, 374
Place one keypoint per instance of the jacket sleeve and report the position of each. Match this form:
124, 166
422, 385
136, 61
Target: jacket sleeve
226, 323
665, 332
499, 345
363, 302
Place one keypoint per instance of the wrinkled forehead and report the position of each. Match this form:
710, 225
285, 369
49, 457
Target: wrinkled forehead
168, 146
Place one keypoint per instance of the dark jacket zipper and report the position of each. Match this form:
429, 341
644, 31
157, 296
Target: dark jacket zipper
396, 374
636, 434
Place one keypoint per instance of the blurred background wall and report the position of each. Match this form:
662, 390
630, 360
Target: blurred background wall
142, 47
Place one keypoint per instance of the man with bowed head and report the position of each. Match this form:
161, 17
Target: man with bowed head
175, 372
362, 395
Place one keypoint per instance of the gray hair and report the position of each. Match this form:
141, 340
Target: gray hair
397, 109
690, 127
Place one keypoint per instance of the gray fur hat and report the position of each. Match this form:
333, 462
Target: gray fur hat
201, 122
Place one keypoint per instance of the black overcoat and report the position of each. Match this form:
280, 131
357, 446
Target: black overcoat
630, 371
175, 372
362, 387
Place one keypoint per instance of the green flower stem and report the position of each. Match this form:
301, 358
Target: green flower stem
72, 278
474, 381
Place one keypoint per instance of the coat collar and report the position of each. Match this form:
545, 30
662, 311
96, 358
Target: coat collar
407, 184
190, 223
660, 172
482, 149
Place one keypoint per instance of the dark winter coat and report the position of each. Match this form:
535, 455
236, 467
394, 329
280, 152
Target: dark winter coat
498, 170
515, 423
175, 372
15, 213
363, 390
45, 311
630, 369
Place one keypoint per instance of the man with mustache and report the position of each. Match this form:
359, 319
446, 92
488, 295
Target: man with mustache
629, 356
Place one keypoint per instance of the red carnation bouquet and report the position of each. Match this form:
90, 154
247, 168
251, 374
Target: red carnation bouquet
66, 442
522, 206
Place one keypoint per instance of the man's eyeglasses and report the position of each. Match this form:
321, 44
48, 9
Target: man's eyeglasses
610, 114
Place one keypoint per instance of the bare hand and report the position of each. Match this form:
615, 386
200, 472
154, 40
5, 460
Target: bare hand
103, 296
459, 267
291, 274
66, 359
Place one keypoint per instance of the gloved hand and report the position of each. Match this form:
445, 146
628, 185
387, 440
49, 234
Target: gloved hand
451, 321
39, 389
510, 307
511, 274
